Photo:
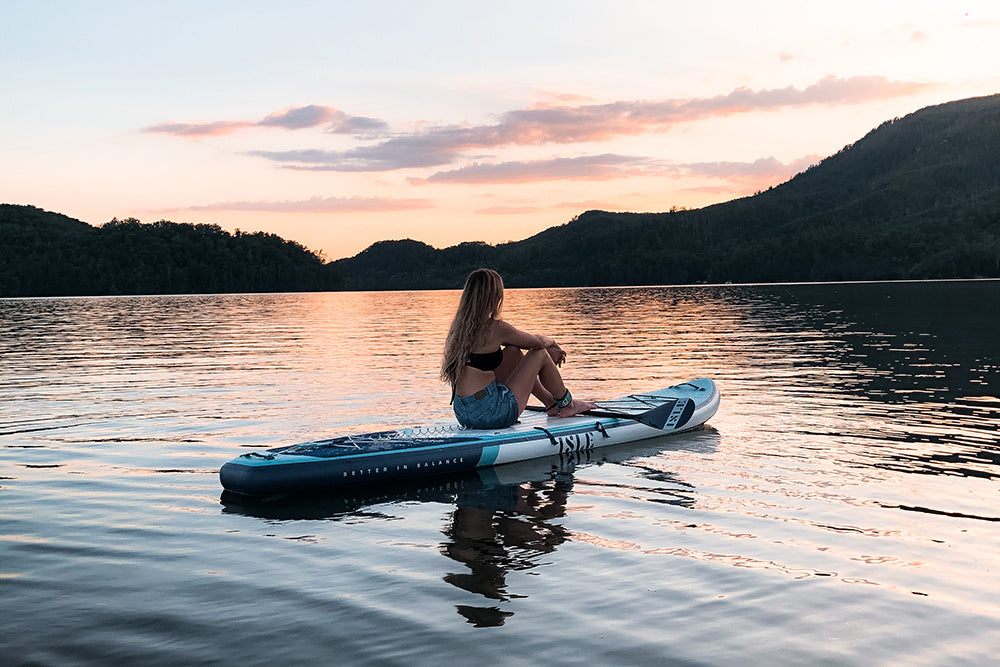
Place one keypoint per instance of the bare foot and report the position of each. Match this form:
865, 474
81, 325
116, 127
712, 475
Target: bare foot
576, 407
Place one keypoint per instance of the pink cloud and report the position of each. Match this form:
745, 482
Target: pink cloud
293, 118
610, 166
740, 178
764, 170
210, 129
830, 90
589, 168
562, 119
559, 99
434, 146
322, 205
297, 118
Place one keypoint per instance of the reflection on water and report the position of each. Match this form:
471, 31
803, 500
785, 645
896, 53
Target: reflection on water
840, 508
504, 519
507, 529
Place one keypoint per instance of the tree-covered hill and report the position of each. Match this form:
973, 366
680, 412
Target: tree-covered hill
44, 254
916, 198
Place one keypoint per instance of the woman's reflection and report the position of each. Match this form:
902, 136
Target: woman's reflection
501, 529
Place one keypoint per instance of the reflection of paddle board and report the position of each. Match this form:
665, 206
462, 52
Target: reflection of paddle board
409, 453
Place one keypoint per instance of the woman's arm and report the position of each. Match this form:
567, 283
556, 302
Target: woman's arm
509, 335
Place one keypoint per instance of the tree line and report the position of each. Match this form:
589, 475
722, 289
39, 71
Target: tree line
45, 254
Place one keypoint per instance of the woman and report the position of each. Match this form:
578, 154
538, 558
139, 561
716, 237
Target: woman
490, 376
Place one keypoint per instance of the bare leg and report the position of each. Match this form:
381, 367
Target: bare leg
537, 366
512, 356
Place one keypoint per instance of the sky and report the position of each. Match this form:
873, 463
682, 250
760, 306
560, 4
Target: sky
340, 124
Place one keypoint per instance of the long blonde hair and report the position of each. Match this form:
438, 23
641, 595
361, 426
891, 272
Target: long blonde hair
478, 309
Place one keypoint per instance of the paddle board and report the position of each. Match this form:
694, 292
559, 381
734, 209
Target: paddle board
387, 456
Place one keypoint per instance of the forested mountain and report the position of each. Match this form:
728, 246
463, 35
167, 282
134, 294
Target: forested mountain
918, 197
44, 254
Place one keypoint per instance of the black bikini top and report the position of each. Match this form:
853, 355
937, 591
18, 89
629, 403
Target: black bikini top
486, 362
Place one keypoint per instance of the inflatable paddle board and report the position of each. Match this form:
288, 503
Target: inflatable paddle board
409, 453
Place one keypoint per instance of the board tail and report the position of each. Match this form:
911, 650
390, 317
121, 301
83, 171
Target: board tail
669, 416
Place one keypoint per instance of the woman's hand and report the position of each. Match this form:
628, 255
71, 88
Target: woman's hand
557, 353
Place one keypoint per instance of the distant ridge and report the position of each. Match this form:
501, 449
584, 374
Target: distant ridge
916, 198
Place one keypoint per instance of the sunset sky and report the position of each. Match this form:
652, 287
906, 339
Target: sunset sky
338, 124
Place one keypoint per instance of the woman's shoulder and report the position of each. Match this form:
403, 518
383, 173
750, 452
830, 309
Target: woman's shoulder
506, 333
501, 327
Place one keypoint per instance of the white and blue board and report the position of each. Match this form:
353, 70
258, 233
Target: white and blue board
410, 453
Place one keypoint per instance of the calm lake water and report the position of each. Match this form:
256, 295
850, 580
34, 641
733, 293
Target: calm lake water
843, 507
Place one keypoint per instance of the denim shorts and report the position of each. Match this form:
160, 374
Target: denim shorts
493, 407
